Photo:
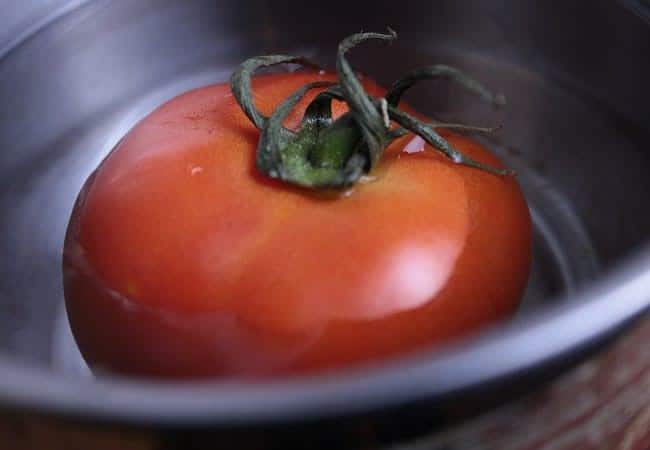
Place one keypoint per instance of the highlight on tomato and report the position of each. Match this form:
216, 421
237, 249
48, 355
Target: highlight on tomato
290, 223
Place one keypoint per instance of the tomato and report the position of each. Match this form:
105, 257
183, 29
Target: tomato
182, 260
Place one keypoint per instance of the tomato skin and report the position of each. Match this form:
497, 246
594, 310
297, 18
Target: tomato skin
181, 260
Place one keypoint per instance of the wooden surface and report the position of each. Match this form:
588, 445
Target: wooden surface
602, 405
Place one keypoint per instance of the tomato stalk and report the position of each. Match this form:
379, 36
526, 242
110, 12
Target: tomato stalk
327, 153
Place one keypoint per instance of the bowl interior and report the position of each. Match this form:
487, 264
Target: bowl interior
576, 126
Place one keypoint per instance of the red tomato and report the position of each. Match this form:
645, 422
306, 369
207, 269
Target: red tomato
181, 260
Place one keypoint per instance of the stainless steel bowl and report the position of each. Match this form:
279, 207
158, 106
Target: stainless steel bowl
75, 75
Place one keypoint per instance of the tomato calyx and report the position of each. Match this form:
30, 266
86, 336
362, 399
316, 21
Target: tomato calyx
328, 153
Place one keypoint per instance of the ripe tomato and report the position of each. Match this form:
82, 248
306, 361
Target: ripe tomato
182, 260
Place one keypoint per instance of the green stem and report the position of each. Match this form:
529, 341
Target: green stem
240, 82
441, 71
328, 153
434, 139
361, 105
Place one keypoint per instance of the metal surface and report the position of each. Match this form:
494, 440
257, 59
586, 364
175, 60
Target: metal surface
576, 128
603, 404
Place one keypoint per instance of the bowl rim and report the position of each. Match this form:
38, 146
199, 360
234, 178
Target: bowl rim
492, 357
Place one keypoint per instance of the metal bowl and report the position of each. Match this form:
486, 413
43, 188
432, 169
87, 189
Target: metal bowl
76, 75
